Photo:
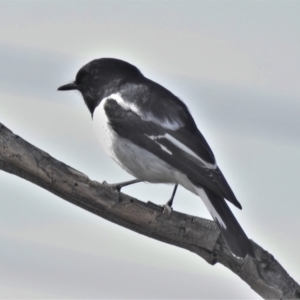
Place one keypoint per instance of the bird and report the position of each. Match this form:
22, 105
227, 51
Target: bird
151, 134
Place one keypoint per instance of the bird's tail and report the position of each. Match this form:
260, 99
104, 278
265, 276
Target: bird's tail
231, 230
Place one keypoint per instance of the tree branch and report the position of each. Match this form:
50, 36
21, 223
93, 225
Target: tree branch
264, 274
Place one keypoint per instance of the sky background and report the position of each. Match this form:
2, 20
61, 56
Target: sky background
236, 65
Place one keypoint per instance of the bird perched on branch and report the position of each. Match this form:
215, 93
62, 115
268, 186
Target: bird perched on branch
151, 134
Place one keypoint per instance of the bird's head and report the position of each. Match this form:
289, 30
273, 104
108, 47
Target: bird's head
100, 78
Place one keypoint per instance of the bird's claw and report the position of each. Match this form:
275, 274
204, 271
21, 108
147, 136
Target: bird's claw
167, 209
112, 186
118, 186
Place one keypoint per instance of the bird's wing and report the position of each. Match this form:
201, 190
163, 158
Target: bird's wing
183, 149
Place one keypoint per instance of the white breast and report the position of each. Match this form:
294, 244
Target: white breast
104, 133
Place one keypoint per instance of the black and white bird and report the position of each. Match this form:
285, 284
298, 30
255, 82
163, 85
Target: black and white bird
151, 134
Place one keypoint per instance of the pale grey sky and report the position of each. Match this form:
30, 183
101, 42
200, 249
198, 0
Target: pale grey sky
235, 64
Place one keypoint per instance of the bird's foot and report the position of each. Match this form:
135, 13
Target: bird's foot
167, 209
118, 186
112, 186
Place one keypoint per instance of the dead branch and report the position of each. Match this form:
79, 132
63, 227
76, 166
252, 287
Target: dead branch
264, 274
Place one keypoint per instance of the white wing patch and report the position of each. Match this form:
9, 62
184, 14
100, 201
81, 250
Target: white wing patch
209, 206
154, 138
189, 151
163, 123
125, 105
183, 147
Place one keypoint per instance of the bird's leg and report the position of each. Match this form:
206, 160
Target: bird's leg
168, 205
118, 186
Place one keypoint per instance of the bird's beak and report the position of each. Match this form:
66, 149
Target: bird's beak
68, 87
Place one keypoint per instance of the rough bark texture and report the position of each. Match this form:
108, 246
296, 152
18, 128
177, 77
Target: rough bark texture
264, 274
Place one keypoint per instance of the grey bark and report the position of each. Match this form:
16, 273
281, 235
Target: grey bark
263, 274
